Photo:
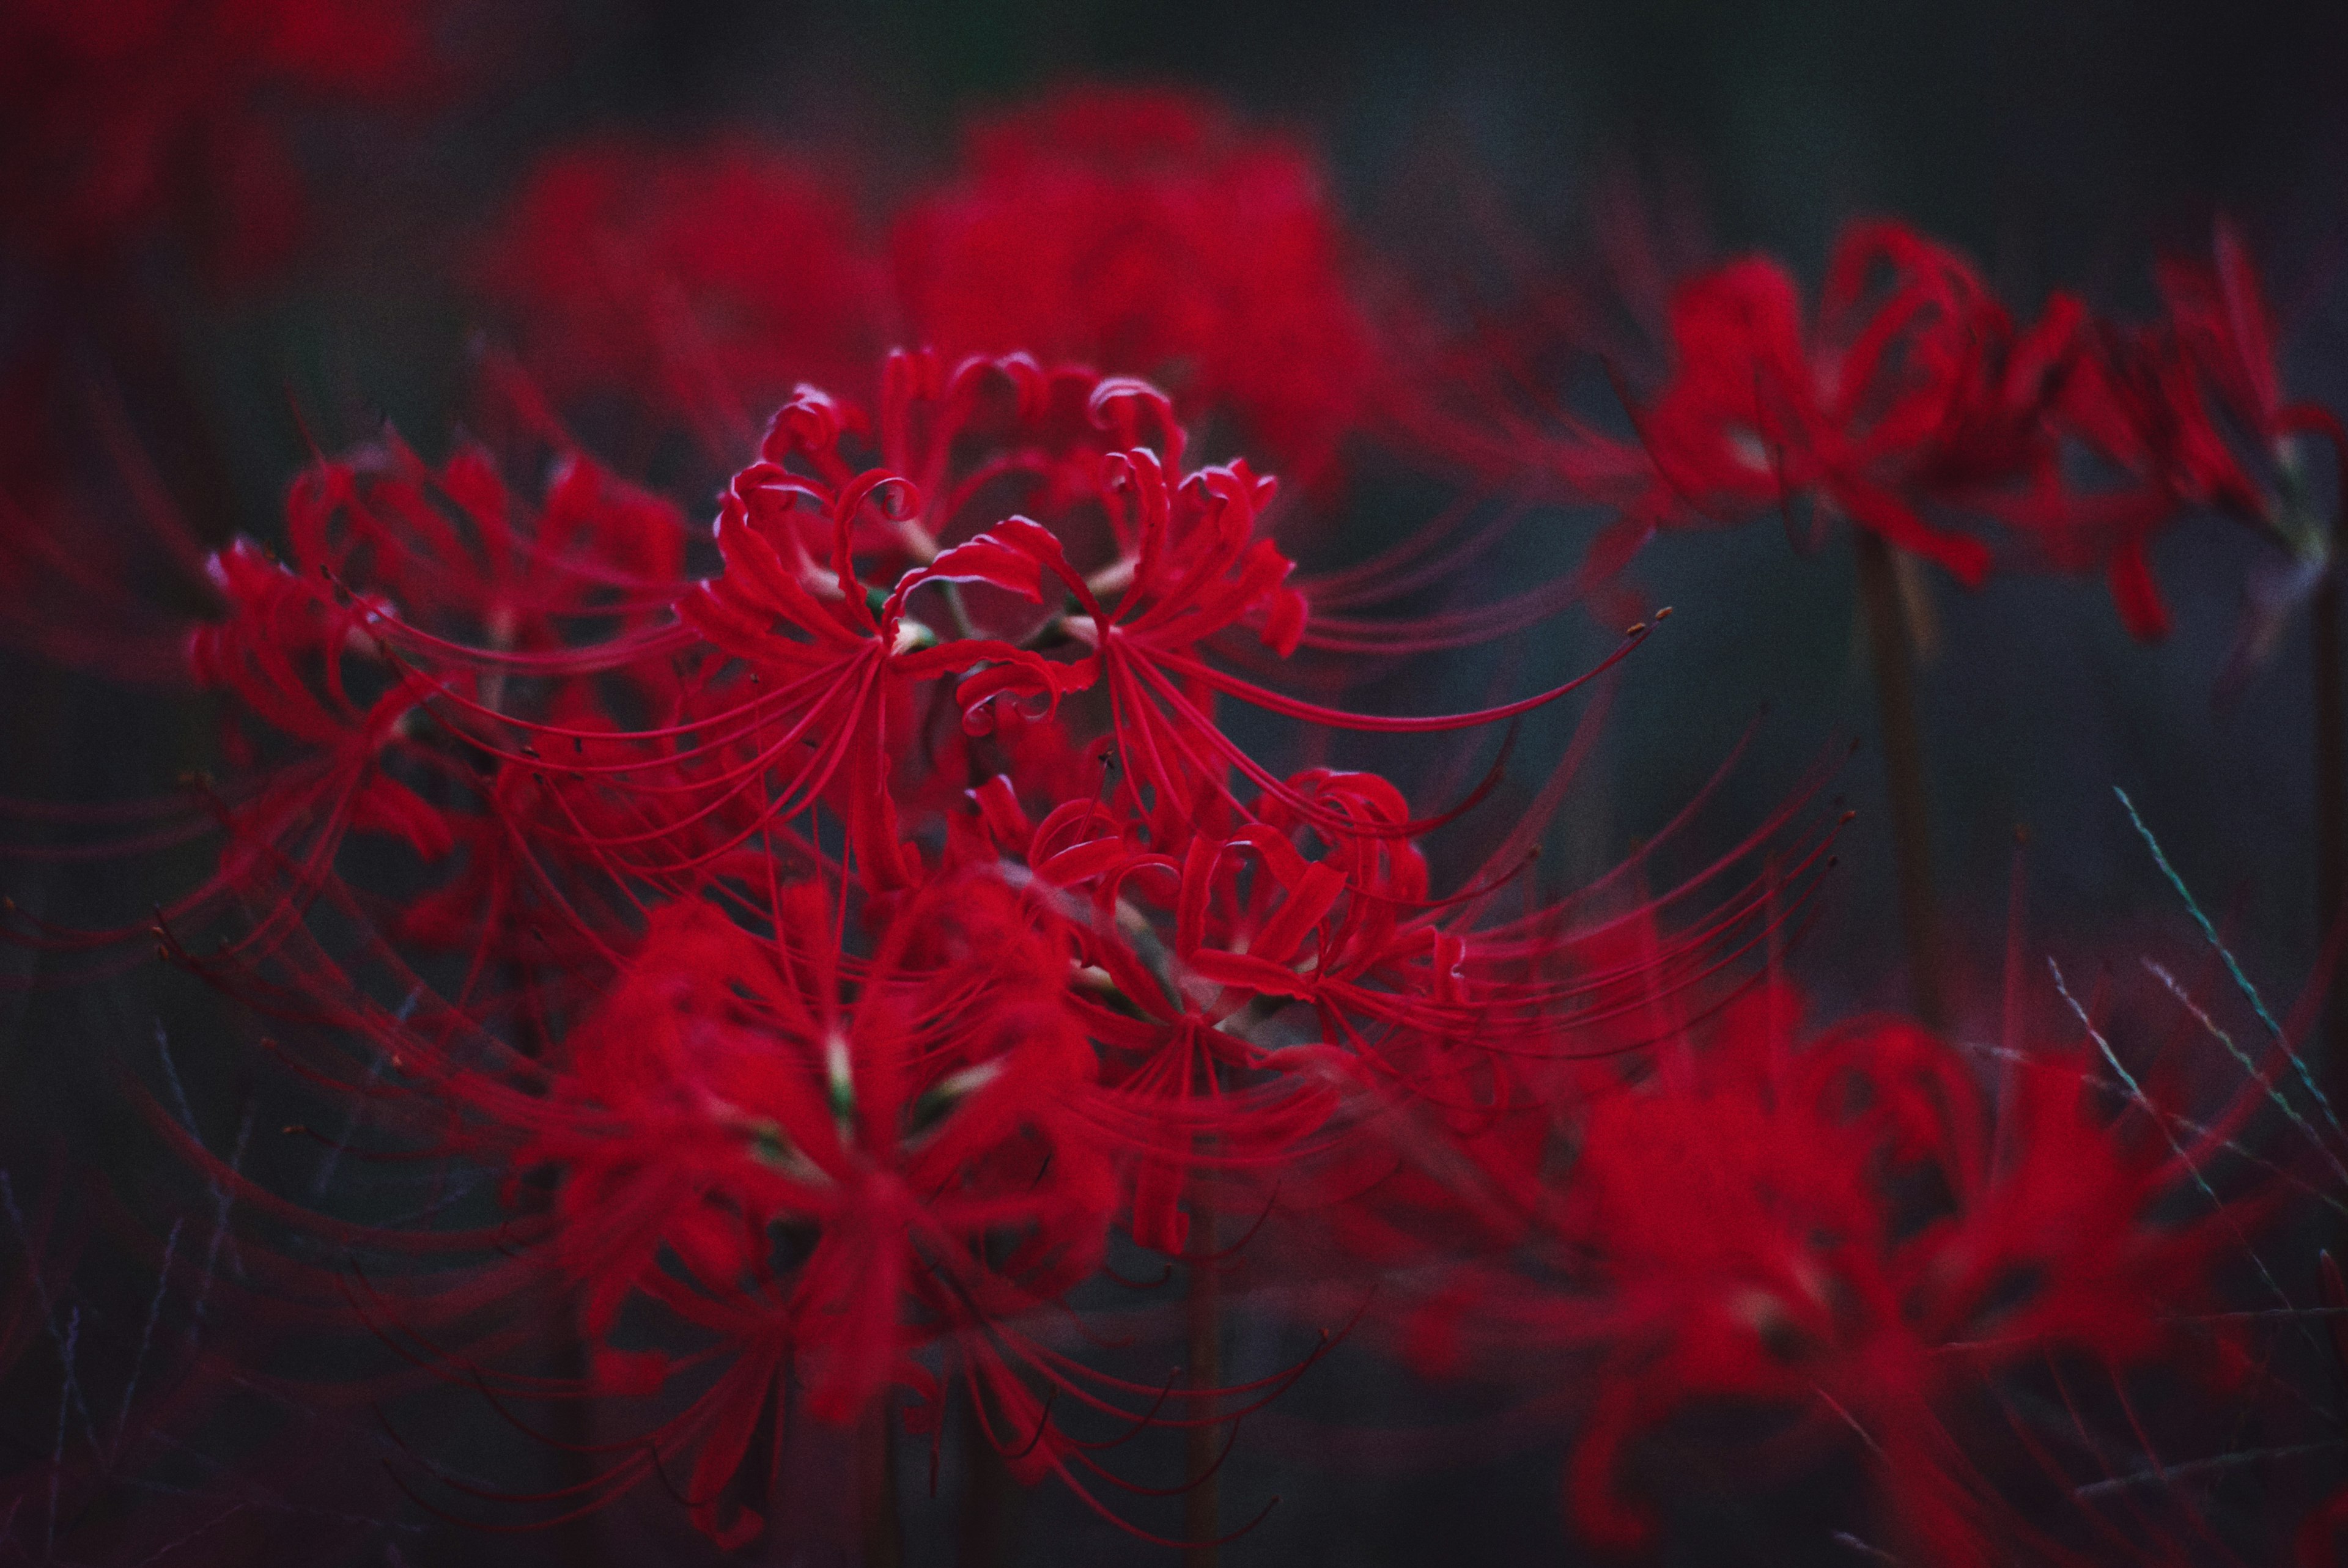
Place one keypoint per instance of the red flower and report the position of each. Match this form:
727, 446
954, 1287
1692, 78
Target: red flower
1915, 392
328, 731
2189, 414
1840, 1232
1138, 233
859, 932
827, 1163
1145, 234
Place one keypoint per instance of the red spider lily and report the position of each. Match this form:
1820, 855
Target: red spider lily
1838, 1232
486, 637
300, 650
1914, 391
130, 119
829, 664
828, 1164
819, 945
1144, 232
2188, 413
327, 735
1140, 232
858, 933
834, 657
818, 1167
1400, 1024
712, 278
1183, 962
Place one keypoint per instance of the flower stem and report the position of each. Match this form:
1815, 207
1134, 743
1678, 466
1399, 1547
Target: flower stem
991, 1495
990, 1498
1903, 768
884, 1545
1203, 1504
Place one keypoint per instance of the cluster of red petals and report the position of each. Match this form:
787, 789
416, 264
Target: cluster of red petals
2188, 413
848, 923
860, 933
1846, 1235
1146, 232
1911, 401
1140, 232
861, 916
827, 1163
1912, 389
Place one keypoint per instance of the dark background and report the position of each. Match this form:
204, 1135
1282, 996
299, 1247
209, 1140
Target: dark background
2059, 145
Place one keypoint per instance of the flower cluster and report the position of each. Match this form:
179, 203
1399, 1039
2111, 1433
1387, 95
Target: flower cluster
1914, 404
1143, 232
859, 932
845, 930
1146, 233
1843, 1236
866, 935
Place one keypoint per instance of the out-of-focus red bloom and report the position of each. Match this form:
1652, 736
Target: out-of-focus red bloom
1842, 1233
330, 728
710, 279
122, 120
1136, 232
142, 132
1912, 388
2188, 413
1146, 233
827, 1163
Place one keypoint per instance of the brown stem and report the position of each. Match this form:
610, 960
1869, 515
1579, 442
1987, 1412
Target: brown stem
1203, 1504
1903, 768
884, 1543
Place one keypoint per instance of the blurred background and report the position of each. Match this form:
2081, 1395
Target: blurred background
2059, 145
